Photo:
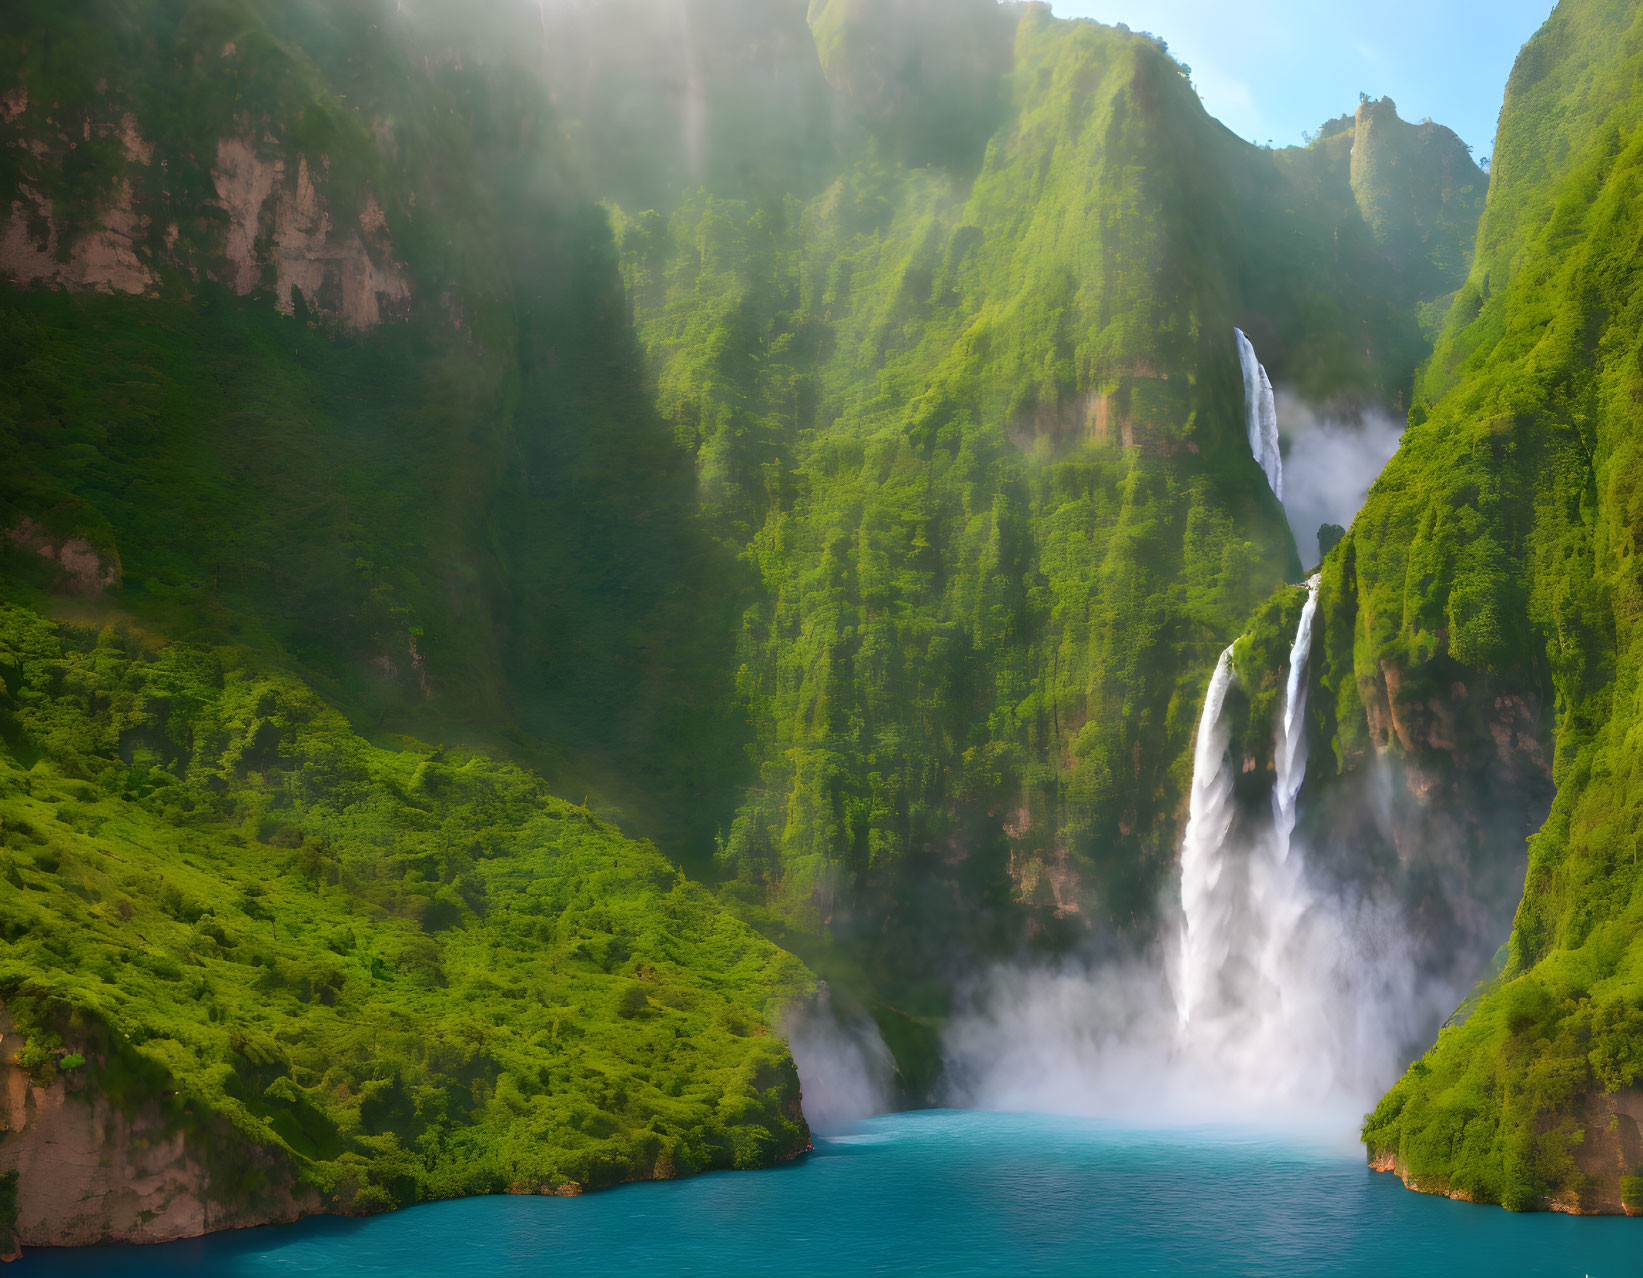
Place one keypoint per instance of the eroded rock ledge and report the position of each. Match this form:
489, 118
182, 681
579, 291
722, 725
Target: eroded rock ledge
276, 222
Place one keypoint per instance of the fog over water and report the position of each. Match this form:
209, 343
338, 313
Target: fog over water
844, 1067
1105, 1040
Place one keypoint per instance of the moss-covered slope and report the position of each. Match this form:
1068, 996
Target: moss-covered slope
353, 976
887, 421
340, 367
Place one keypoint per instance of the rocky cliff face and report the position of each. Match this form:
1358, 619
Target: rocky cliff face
75, 566
104, 202
1608, 1155
351, 364
1422, 785
1427, 780
90, 1171
345, 271
979, 417
1416, 183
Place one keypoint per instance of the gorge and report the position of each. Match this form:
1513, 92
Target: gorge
589, 591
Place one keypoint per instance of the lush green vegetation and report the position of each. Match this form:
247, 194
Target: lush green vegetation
1501, 543
971, 510
926, 80
395, 974
865, 505
977, 429
469, 525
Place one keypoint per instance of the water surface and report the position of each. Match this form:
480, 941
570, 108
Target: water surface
942, 1192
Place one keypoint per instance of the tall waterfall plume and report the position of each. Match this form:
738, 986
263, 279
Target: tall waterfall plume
1209, 821
1261, 415
1246, 988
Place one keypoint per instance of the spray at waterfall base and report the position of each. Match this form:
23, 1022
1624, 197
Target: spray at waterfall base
1270, 996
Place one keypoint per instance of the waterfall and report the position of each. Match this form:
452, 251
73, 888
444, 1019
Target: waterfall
1209, 819
1246, 993
1289, 751
1284, 996
1261, 416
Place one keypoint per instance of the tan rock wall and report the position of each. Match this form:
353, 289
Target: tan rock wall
90, 1173
281, 223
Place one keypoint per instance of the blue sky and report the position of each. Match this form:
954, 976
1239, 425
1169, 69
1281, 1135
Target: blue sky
1270, 69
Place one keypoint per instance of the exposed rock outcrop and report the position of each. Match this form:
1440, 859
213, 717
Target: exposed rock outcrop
92, 1173
82, 569
102, 258
333, 266
284, 230
1609, 1148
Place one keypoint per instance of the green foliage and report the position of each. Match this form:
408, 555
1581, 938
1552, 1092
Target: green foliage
926, 78
913, 460
467, 525
1350, 242
404, 974
40, 1054
658, 99
977, 430
1501, 541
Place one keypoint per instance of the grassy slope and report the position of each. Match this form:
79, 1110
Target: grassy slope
390, 974
1502, 541
403, 974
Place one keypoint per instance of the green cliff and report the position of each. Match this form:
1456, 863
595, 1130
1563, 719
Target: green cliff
1495, 566
363, 387
340, 977
976, 430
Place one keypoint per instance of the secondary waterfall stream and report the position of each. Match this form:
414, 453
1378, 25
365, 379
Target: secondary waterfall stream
1209, 820
1261, 415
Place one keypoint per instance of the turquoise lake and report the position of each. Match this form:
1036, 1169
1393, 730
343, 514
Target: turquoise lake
939, 1192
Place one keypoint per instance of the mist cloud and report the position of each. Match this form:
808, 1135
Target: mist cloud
845, 1070
1103, 1039
1330, 464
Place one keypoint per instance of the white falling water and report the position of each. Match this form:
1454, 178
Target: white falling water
1245, 988
1261, 416
1209, 820
1289, 751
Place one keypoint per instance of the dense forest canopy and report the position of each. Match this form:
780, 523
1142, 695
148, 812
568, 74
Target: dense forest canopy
527, 523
